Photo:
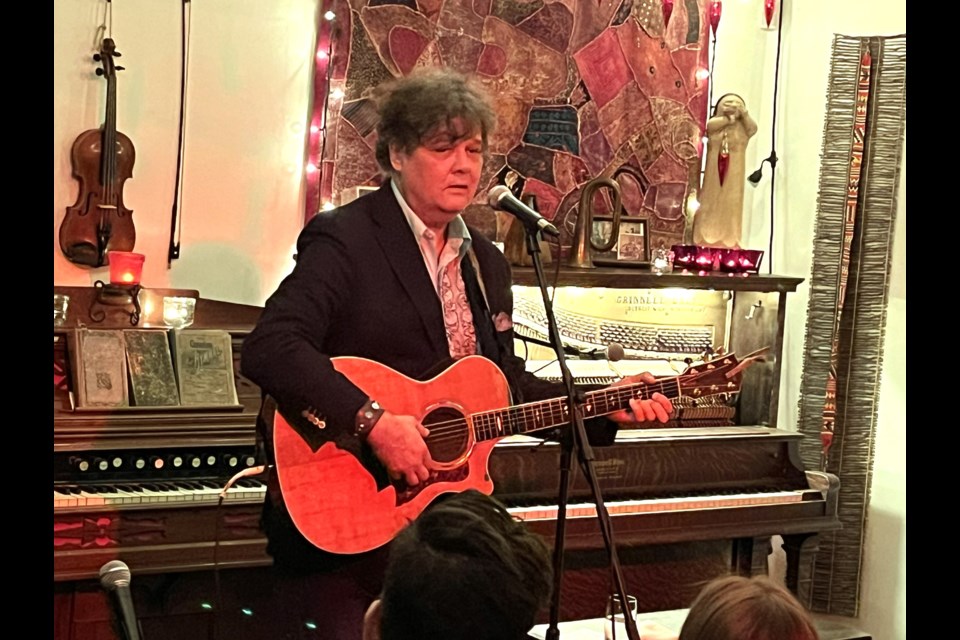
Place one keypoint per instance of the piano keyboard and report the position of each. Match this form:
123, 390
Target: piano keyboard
179, 493
628, 507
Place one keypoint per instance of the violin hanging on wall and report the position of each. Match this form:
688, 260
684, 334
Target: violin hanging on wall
102, 161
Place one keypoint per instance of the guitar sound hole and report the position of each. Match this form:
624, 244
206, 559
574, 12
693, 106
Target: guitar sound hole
448, 434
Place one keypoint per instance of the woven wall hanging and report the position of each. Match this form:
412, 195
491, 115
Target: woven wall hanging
846, 314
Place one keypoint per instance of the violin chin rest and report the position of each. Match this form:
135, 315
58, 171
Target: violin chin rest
84, 253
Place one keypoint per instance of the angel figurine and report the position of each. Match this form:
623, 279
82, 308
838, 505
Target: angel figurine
718, 222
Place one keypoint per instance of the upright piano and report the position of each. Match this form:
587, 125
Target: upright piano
147, 486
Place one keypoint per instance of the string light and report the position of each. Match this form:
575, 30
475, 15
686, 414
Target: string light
329, 16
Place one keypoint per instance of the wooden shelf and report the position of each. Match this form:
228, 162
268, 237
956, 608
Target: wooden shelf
626, 278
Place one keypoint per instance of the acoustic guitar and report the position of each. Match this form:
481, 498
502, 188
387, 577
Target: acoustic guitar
347, 504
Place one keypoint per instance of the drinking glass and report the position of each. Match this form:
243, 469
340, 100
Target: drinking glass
178, 311
60, 304
614, 626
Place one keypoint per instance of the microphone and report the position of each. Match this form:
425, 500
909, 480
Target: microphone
613, 353
115, 579
502, 199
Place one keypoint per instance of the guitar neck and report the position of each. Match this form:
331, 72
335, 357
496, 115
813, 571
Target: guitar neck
545, 414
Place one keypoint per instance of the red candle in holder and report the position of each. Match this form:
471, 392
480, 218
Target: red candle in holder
704, 259
730, 260
750, 260
684, 255
125, 267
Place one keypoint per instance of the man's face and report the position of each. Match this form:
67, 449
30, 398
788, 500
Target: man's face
439, 178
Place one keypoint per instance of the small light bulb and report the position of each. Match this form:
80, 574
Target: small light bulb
314, 128
337, 93
702, 74
327, 206
311, 167
322, 54
329, 15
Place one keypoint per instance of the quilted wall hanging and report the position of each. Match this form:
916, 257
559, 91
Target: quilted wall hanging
582, 89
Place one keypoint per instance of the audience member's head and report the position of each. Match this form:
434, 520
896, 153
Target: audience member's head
738, 608
465, 569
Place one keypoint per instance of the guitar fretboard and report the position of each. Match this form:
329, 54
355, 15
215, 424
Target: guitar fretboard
534, 416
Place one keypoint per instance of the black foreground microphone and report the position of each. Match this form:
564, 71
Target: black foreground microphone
115, 578
502, 199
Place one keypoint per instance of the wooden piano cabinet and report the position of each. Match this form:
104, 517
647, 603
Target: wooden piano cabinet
237, 604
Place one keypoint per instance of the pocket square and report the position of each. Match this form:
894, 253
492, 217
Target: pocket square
502, 321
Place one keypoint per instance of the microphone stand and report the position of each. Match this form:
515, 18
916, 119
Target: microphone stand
573, 441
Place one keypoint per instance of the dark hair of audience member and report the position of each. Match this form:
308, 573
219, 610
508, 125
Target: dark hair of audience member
740, 608
465, 569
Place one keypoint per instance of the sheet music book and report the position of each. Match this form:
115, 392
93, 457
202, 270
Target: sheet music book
203, 362
152, 380
102, 370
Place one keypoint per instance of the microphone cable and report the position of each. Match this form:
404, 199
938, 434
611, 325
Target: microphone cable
218, 595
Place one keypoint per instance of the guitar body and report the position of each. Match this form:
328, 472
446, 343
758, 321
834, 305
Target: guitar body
339, 505
334, 499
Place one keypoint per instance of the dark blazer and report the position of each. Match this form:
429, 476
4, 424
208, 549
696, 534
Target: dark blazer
360, 288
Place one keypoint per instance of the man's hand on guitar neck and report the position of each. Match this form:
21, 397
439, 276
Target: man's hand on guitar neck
657, 408
398, 443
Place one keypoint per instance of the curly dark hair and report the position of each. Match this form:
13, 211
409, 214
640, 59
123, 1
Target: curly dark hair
415, 106
465, 570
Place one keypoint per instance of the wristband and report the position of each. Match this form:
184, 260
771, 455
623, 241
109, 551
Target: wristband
367, 417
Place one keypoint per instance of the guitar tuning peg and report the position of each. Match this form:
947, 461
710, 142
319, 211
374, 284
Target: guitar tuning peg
116, 54
99, 71
119, 68
96, 57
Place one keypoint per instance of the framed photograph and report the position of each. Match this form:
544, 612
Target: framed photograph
632, 247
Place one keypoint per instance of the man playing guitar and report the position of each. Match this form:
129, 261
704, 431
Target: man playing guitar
395, 278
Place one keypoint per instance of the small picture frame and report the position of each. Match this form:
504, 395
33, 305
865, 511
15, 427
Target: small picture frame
352, 193
632, 248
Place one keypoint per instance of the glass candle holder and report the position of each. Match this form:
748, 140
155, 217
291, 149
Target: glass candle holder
750, 260
61, 303
125, 267
684, 255
704, 260
661, 261
178, 311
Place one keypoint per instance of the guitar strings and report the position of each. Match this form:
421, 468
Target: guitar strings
487, 426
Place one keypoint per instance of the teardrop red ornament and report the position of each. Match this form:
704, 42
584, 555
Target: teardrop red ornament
667, 7
769, 6
723, 159
716, 7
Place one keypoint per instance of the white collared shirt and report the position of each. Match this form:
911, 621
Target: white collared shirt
456, 246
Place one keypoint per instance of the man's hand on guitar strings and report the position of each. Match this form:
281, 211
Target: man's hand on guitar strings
657, 408
398, 442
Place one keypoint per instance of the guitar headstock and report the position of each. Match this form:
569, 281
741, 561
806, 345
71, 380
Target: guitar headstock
722, 375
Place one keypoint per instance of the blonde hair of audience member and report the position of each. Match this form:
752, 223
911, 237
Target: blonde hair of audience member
739, 608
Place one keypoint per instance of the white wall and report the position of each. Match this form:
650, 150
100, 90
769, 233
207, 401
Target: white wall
249, 98
248, 101
745, 56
